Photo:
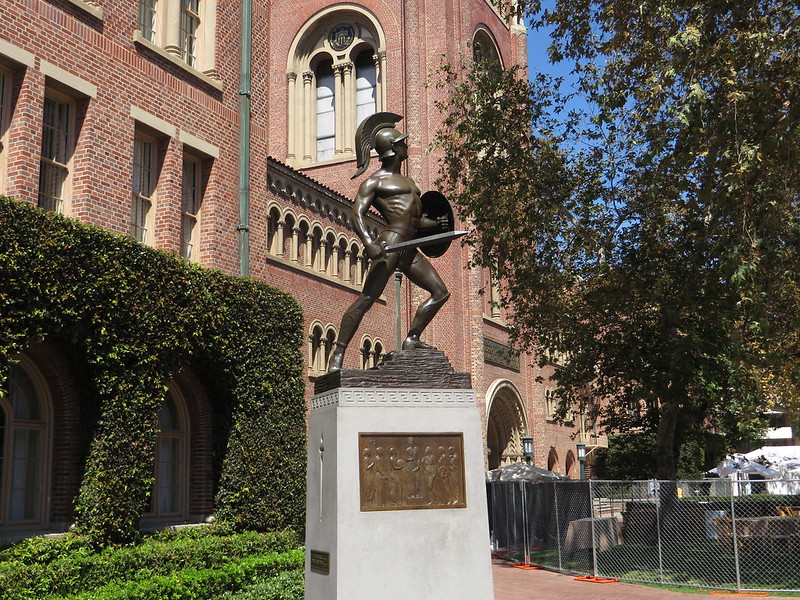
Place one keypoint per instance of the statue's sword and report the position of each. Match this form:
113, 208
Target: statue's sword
428, 240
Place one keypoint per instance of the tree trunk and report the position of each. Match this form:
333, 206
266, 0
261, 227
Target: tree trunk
665, 440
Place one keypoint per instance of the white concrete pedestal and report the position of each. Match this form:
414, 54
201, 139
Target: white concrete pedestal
406, 553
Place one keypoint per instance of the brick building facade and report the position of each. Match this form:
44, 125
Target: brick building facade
127, 115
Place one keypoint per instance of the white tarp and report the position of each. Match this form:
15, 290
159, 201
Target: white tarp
778, 465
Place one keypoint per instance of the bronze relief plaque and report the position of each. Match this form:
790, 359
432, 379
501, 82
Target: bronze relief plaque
405, 471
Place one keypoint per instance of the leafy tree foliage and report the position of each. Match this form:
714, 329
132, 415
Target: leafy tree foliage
651, 238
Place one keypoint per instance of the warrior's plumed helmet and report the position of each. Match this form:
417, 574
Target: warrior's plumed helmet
376, 132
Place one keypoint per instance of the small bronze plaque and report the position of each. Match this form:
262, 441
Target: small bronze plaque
321, 562
402, 471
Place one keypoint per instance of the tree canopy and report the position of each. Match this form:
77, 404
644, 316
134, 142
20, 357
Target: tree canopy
651, 238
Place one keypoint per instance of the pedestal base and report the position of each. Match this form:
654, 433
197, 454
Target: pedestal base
396, 505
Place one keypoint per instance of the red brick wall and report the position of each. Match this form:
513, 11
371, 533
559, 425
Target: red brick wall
103, 54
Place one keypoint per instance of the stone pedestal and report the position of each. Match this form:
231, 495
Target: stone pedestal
396, 501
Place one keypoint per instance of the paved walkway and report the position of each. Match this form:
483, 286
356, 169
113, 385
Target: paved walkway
511, 583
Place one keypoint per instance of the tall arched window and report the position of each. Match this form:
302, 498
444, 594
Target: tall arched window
168, 499
336, 78
24, 437
326, 113
366, 85
484, 48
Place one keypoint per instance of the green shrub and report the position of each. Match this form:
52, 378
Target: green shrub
71, 567
288, 585
135, 316
196, 584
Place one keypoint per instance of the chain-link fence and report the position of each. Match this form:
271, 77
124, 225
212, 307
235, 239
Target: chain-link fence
721, 534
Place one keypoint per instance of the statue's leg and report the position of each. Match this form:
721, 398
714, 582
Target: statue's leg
422, 273
376, 280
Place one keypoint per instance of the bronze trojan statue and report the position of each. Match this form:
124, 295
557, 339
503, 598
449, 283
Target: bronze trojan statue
397, 198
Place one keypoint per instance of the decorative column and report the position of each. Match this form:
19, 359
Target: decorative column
334, 270
338, 107
279, 238
380, 79
347, 264
309, 245
172, 42
294, 245
322, 256
290, 153
350, 106
309, 105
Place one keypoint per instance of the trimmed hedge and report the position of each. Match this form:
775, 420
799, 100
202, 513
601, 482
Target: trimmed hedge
287, 585
198, 584
136, 316
196, 564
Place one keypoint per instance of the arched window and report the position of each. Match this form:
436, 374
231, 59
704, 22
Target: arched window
552, 460
315, 350
366, 85
484, 48
336, 78
168, 499
355, 260
275, 233
330, 341
326, 113
24, 438
320, 347
366, 354
550, 404
330, 265
569, 465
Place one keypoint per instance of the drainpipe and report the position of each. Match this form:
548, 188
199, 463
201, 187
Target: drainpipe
244, 138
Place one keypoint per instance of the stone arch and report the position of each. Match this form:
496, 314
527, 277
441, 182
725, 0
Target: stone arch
342, 263
290, 235
316, 347
366, 352
275, 229
330, 255
378, 351
506, 423
304, 241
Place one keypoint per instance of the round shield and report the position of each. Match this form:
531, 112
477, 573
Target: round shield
435, 205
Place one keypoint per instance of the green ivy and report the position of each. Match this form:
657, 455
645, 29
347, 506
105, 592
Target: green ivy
137, 316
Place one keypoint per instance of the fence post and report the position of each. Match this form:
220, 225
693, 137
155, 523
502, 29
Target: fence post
525, 522
734, 533
655, 490
594, 537
558, 523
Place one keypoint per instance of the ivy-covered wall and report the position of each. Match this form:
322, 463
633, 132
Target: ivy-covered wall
138, 316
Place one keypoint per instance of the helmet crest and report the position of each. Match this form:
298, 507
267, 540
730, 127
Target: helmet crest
370, 135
